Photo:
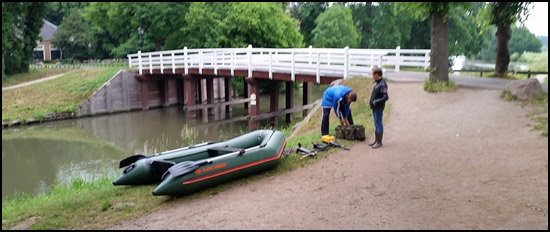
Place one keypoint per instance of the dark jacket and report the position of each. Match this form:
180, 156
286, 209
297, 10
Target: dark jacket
379, 95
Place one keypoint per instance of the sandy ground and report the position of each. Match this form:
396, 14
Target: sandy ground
461, 160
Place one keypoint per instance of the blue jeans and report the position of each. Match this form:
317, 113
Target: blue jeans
377, 115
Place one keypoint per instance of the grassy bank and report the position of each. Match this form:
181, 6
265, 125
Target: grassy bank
538, 112
63, 94
33, 74
99, 204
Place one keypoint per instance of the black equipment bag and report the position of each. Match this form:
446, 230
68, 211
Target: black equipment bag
350, 132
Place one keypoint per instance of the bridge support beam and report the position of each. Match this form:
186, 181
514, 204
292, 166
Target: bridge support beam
228, 97
254, 95
210, 94
144, 94
164, 92
274, 100
289, 98
246, 93
305, 97
190, 86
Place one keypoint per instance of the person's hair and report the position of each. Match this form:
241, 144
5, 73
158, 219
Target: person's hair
353, 96
377, 71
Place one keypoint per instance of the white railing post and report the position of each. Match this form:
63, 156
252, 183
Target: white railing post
293, 75
232, 62
215, 63
139, 63
398, 58
185, 60
150, 64
346, 61
310, 48
173, 64
249, 53
200, 62
380, 61
161, 64
328, 55
270, 66
427, 60
318, 68
129, 61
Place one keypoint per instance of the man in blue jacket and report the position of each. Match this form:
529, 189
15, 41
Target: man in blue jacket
339, 98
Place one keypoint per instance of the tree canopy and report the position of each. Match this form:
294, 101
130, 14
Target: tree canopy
334, 28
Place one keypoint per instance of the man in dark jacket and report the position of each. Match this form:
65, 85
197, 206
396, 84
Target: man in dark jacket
378, 100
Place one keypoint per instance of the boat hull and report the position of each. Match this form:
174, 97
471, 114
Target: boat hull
224, 170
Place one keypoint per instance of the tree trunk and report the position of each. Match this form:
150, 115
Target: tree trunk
158, 44
439, 55
503, 35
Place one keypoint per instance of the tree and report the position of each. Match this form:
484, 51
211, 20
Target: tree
259, 24
306, 13
57, 11
438, 13
21, 24
522, 40
334, 28
194, 33
502, 15
74, 37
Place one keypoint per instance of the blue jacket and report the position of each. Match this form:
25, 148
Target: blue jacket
334, 97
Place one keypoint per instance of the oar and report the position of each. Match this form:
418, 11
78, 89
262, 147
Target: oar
132, 159
189, 166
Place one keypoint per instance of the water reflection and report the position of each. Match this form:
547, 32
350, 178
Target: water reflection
36, 157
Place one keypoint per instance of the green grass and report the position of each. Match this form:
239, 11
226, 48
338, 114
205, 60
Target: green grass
98, 204
539, 109
439, 86
33, 74
536, 61
63, 94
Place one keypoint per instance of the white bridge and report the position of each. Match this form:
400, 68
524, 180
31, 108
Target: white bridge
313, 62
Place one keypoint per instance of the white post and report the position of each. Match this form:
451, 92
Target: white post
380, 61
270, 68
150, 64
346, 61
161, 64
215, 63
293, 77
249, 53
427, 60
398, 58
139, 63
185, 59
310, 48
318, 68
129, 61
200, 62
328, 55
173, 64
232, 62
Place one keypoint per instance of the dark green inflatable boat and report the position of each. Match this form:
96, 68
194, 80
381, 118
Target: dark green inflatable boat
189, 169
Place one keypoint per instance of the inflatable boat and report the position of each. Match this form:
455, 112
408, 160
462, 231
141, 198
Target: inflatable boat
188, 169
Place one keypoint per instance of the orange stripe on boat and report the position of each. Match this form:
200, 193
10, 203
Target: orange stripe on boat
236, 168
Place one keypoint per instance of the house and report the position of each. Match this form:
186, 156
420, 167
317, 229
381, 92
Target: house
44, 49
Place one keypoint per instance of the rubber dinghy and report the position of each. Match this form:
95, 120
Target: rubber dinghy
189, 169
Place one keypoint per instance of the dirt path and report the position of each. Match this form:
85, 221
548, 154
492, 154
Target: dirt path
462, 160
36, 81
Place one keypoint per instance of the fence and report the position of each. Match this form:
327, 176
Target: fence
85, 63
344, 62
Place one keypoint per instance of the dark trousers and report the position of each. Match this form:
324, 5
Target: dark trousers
324, 120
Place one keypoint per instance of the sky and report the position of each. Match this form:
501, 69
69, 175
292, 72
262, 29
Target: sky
537, 22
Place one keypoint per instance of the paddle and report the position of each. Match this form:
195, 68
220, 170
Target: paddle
132, 159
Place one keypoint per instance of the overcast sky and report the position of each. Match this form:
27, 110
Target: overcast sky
537, 22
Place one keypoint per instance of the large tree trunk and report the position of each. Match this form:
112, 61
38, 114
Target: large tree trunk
503, 35
158, 44
439, 56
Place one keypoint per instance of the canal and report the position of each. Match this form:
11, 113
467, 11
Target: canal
37, 157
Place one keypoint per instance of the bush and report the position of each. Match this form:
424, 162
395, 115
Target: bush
439, 86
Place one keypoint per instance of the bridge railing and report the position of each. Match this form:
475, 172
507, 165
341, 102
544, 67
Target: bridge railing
344, 62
